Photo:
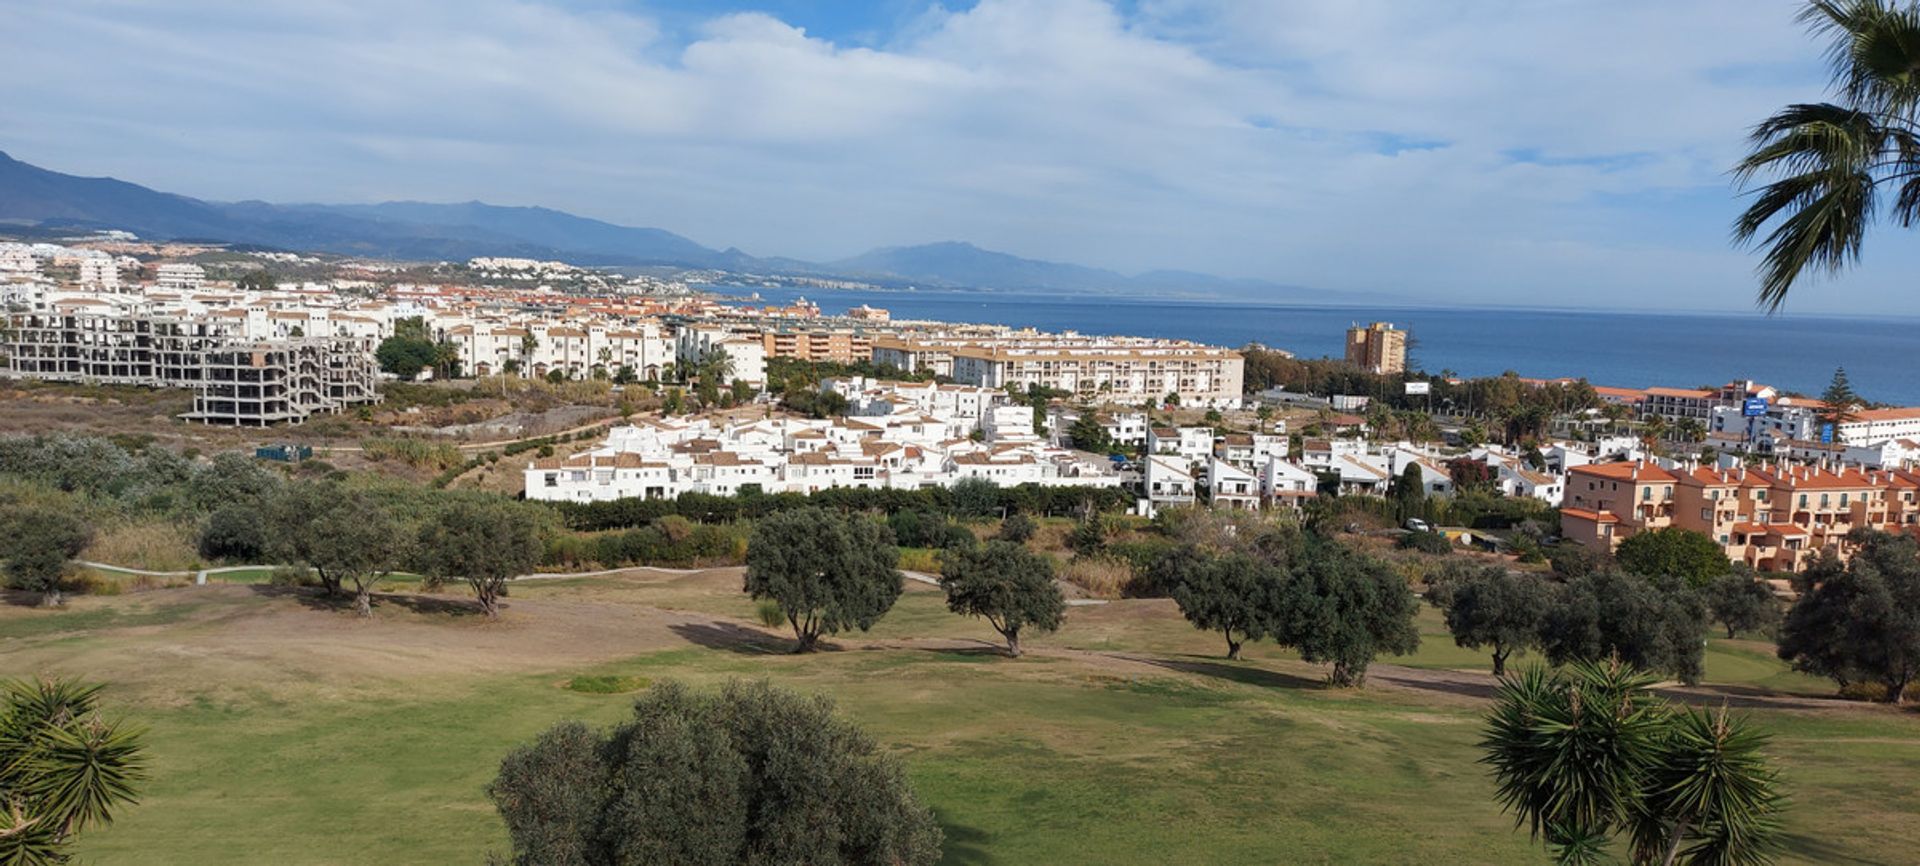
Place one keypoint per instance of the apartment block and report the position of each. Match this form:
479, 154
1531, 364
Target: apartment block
1377, 348
235, 380
1773, 517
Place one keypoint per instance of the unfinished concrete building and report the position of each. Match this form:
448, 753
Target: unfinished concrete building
235, 380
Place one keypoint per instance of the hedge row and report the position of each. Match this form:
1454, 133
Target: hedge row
964, 501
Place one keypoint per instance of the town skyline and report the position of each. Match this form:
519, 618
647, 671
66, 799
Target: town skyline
1155, 136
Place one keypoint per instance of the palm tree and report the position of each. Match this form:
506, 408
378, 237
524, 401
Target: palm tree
1832, 161
716, 365
529, 344
1691, 430
62, 767
1587, 754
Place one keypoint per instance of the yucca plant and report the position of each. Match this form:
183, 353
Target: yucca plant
63, 768
1832, 162
1587, 754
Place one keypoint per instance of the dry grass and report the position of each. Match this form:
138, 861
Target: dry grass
1099, 576
154, 546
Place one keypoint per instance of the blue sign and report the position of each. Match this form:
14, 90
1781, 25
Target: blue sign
1826, 434
1754, 407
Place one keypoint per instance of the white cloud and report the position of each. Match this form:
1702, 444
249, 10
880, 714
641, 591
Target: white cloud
1485, 148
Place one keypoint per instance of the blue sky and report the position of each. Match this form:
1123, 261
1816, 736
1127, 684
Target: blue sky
1546, 152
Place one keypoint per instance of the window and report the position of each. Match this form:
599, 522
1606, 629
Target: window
1646, 494
553, 479
1803, 500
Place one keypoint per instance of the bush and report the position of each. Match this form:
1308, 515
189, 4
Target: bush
769, 613
1425, 542
750, 774
1017, 528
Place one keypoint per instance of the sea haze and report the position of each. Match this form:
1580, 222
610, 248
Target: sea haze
1631, 350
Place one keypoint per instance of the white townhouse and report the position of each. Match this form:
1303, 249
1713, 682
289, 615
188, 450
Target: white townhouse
1229, 486
1287, 484
1166, 482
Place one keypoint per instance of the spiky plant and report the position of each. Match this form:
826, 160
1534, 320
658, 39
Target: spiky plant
1587, 754
1832, 162
63, 768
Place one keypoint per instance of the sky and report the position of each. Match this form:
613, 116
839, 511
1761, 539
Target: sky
1526, 152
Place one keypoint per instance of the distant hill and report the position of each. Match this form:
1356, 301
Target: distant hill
38, 199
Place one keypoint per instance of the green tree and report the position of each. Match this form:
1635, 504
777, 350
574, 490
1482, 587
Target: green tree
1588, 754
1008, 585
1088, 434
1344, 608
1409, 493
256, 281
1236, 595
1860, 622
1674, 552
828, 571
1656, 624
36, 544
405, 357
1840, 400
1493, 607
1017, 528
1833, 162
753, 774
1088, 537
975, 497
344, 535
486, 542
1739, 602
63, 768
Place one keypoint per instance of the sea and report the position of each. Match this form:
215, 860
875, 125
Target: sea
1790, 351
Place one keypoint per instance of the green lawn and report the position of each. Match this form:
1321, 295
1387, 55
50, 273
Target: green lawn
1104, 757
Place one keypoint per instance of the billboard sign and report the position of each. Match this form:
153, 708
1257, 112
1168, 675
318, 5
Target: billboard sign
1419, 388
1826, 434
1754, 407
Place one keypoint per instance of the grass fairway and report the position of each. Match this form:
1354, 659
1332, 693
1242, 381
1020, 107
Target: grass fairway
287, 732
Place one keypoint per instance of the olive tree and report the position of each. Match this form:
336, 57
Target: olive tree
1654, 625
1236, 595
344, 535
1009, 585
1740, 603
1345, 608
1492, 607
752, 774
1860, 622
828, 571
485, 542
36, 544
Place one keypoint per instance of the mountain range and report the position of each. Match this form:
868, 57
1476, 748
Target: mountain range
37, 198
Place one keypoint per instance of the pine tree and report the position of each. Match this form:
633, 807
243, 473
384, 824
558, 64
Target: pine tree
1840, 399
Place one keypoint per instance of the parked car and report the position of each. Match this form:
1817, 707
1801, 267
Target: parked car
1417, 525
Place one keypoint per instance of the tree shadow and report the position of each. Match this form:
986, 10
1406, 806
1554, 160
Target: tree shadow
964, 845
315, 598
1444, 682
1242, 673
1817, 850
21, 598
734, 638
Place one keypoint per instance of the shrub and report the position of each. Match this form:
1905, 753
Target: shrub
769, 613
1425, 542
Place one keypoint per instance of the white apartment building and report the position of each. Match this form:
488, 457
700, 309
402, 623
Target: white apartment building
1287, 484
1192, 444
657, 459
747, 351
1166, 482
180, 277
